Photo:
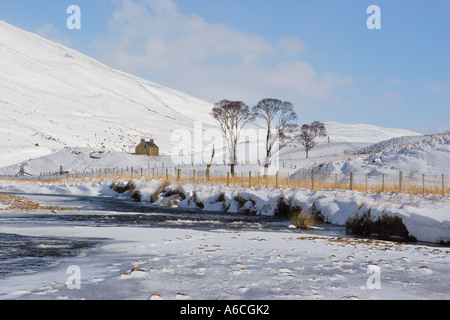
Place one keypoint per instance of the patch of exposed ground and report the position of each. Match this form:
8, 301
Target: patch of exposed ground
9, 202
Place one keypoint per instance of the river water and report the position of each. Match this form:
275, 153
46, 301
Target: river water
24, 254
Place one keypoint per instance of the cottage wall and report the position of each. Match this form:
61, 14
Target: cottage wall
147, 149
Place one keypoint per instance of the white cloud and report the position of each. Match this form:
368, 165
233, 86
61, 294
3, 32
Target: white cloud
393, 96
291, 46
436, 87
153, 39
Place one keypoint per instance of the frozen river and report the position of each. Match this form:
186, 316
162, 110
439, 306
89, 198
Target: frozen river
119, 212
26, 254
130, 250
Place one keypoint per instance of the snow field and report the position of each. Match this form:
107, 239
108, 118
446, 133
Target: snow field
220, 264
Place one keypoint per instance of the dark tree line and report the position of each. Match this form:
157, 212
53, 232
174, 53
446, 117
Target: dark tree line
279, 118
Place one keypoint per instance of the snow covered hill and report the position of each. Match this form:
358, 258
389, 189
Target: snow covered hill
52, 97
363, 133
429, 154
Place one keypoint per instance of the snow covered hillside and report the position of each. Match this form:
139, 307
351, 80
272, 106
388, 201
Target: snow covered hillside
429, 154
363, 133
52, 97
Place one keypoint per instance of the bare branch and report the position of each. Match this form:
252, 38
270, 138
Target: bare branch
232, 116
278, 116
309, 132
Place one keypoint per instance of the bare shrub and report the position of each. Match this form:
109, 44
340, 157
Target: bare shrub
302, 219
158, 191
385, 227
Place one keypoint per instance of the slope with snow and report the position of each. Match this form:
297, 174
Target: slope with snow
414, 155
364, 133
53, 97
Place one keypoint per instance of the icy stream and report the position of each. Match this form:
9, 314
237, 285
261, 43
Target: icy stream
26, 254
131, 250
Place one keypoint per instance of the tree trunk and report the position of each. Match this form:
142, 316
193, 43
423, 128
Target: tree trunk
266, 170
266, 167
208, 169
232, 169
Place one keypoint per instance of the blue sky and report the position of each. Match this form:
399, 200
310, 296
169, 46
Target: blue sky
318, 54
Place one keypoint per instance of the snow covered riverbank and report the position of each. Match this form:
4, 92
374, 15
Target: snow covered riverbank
426, 218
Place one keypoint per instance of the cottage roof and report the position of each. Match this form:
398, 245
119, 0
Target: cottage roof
150, 143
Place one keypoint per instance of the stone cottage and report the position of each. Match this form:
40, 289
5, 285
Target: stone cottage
147, 148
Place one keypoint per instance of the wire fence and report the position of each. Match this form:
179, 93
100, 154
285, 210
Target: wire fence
417, 184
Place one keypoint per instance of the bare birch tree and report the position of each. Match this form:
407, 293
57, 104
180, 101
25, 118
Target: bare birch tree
278, 116
232, 116
308, 134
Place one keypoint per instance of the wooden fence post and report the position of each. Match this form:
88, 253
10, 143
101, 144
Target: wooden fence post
423, 184
249, 179
312, 179
276, 180
443, 186
351, 181
228, 179
178, 174
382, 183
367, 191
400, 181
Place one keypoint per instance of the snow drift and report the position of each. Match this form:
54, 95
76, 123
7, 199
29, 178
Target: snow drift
426, 218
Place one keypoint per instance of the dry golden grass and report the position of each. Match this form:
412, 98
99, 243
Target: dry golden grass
413, 187
301, 219
22, 204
